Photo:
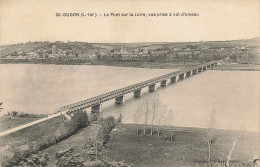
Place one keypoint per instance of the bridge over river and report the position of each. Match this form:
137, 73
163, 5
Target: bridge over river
96, 102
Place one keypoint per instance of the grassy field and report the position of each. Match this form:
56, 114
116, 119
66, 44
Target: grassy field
29, 138
6, 124
31, 134
187, 149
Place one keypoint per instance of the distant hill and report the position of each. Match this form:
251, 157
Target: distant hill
78, 47
84, 47
28, 47
253, 40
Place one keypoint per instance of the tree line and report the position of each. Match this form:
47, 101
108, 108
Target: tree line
151, 115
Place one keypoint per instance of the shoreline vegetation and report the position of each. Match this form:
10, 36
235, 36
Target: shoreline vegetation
69, 142
14, 119
223, 65
21, 144
29, 149
176, 147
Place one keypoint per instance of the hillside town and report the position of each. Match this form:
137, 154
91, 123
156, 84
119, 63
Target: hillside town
157, 52
191, 52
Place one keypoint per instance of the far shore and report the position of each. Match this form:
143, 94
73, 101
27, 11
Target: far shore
237, 67
225, 66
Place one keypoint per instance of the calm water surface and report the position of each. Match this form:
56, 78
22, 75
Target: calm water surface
35, 88
232, 95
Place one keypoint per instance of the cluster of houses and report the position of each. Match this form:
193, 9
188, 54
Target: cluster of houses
43, 53
166, 53
150, 53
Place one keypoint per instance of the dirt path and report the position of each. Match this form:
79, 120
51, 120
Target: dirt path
29, 124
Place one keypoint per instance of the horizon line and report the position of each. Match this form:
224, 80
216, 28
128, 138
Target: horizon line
129, 42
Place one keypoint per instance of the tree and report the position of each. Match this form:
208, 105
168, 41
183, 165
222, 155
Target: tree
230, 152
158, 120
120, 118
80, 119
23, 53
155, 106
210, 137
142, 114
137, 116
146, 112
164, 118
14, 53
1, 106
106, 127
171, 121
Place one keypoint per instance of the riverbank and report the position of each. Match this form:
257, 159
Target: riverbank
9, 123
46, 61
135, 64
77, 147
78, 142
188, 147
30, 139
14, 119
237, 67
22, 143
152, 65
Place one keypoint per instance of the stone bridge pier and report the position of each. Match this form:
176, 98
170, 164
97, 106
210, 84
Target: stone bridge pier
163, 83
189, 73
96, 109
138, 93
182, 76
120, 100
173, 79
195, 71
152, 88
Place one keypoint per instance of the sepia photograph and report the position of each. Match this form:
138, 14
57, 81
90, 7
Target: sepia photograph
147, 83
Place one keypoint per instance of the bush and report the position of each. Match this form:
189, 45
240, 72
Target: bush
107, 125
16, 114
93, 117
68, 158
120, 118
38, 160
80, 119
105, 163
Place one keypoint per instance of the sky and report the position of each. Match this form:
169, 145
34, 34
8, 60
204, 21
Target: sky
35, 20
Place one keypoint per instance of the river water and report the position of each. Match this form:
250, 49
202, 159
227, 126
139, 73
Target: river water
233, 96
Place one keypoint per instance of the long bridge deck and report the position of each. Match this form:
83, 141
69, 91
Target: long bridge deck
97, 100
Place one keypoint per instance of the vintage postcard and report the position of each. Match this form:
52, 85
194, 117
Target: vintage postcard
133, 83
